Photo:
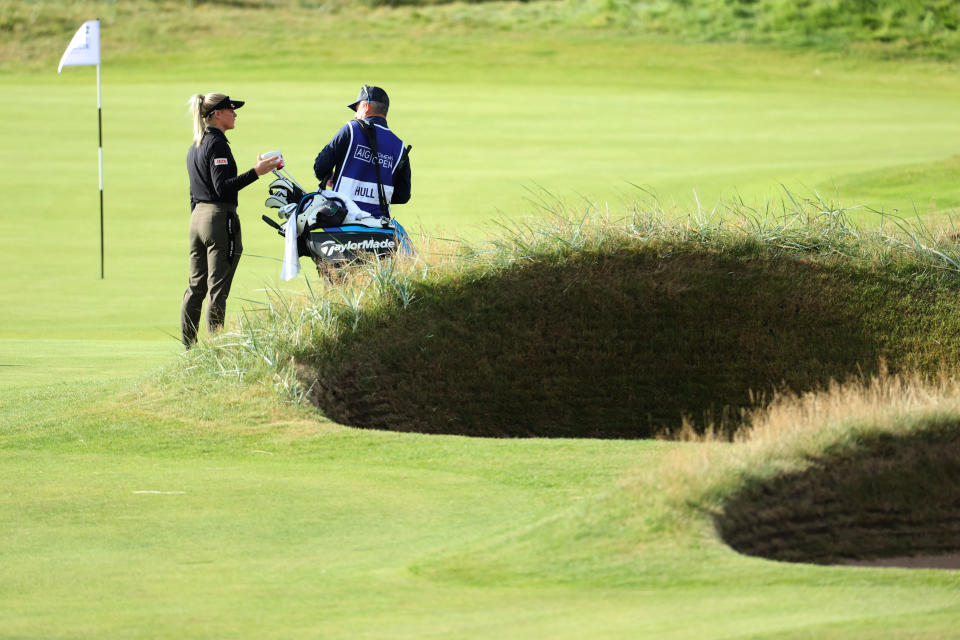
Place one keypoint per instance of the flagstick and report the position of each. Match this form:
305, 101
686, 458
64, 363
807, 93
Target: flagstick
84, 49
100, 162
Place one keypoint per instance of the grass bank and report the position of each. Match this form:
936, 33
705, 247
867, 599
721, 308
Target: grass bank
580, 324
874, 28
859, 471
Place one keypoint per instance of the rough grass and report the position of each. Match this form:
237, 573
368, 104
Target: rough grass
625, 342
582, 325
890, 495
35, 32
862, 470
927, 27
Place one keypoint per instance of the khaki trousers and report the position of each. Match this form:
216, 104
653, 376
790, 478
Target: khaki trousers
215, 248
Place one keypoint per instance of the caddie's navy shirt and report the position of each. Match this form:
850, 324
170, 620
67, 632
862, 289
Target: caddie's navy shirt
213, 172
335, 155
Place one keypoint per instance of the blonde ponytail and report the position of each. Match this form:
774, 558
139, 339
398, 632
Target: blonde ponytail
199, 107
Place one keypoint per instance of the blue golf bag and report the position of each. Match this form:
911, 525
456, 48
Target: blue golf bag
328, 227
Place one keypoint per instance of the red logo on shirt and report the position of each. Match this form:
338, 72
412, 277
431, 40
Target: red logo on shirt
219, 161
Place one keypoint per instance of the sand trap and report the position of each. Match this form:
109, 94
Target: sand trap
946, 561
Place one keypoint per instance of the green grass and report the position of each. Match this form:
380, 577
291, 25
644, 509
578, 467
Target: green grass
269, 523
885, 28
885, 189
688, 124
39, 362
272, 522
578, 324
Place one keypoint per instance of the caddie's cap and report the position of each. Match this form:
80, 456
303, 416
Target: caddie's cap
370, 94
226, 103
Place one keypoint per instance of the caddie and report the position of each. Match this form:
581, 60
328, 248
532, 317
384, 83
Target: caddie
347, 163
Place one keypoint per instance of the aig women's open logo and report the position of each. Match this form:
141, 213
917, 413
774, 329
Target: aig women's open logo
364, 153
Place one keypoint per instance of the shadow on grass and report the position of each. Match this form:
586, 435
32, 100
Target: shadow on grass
624, 344
891, 495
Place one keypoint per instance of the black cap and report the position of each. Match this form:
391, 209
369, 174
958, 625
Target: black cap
370, 94
226, 103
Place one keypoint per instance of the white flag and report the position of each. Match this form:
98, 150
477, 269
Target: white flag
84, 48
291, 261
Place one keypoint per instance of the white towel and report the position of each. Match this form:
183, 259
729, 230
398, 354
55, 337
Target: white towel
291, 261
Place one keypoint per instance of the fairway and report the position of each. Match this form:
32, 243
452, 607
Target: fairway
145, 524
240, 515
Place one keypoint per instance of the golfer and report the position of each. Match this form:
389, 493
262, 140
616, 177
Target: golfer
347, 164
215, 243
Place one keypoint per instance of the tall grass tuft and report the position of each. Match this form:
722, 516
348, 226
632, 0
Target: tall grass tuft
863, 469
261, 348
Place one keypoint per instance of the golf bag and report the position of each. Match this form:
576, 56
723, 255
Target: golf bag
330, 228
